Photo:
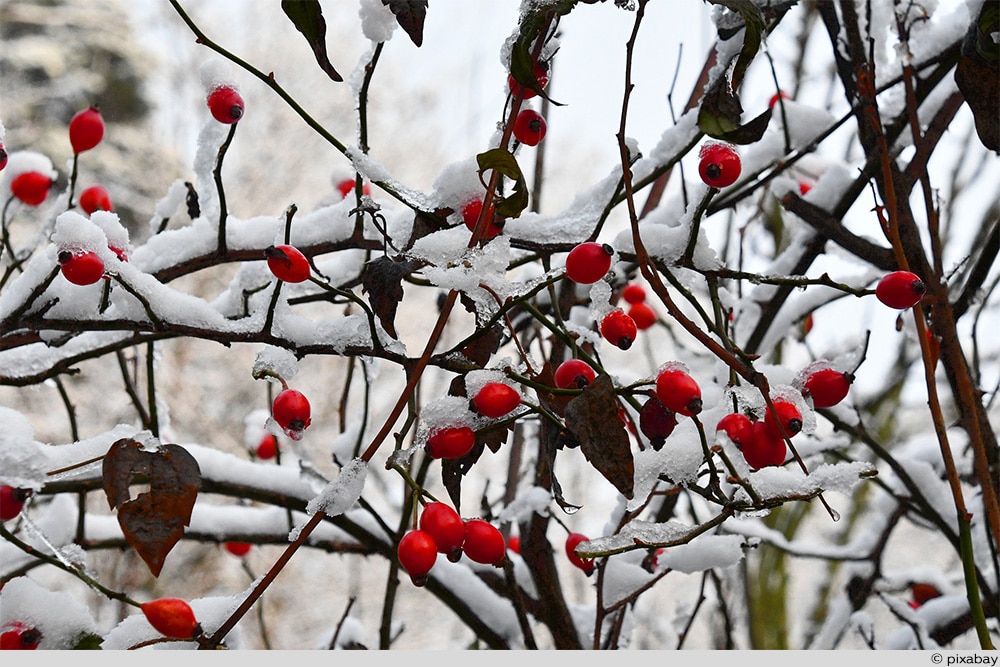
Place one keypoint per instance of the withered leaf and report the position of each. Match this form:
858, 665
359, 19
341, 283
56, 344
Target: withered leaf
593, 418
307, 15
977, 75
382, 280
154, 521
410, 15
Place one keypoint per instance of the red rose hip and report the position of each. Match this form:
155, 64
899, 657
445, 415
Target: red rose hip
573, 540
291, 410
719, 165
226, 105
287, 263
484, 543
574, 374
445, 527
86, 129
679, 392
417, 554
96, 198
827, 387
529, 127
451, 442
31, 187
496, 399
588, 262
900, 290
618, 328
171, 617
81, 267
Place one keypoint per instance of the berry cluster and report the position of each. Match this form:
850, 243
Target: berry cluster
442, 531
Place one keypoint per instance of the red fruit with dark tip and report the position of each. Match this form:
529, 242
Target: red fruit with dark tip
643, 315
484, 543
12, 501
827, 387
86, 129
529, 127
634, 293
348, 185
81, 267
3, 157
541, 72
737, 426
588, 262
574, 374
719, 165
287, 263
96, 198
417, 554
572, 542
238, 549
267, 448
656, 421
171, 617
496, 399
785, 414
679, 392
618, 328
445, 527
900, 289
761, 448
17, 636
31, 187
470, 215
226, 105
514, 543
291, 410
451, 442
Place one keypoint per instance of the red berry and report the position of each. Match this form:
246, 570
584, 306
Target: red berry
3, 157
804, 187
81, 267
514, 543
634, 293
346, 187
572, 541
86, 129
268, 447
470, 215
96, 198
656, 421
737, 426
922, 593
761, 448
12, 501
287, 263
19, 637
787, 415
238, 548
451, 442
291, 410
417, 554
171, 617
774, 98
529, 127
483, 542
643, 315
679, 392
445, 527
226, 105
496, 399
827, 387
31, 187
720, 164
618, 328
588, 262
900, 289
541, 72
574, 374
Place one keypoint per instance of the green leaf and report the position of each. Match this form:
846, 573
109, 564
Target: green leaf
503, 161
410, 15
307, 15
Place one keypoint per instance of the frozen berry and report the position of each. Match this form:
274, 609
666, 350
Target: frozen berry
31, 187
86, 129
574, 374
679, 392
900, 289
81, 267
588, 262
787, 415
827, 387
470, 215
417, 554
451, 442
171, 617
225, 104
496, 399
19, 637
291, 410
529, 127
96, 198
737, 426
719, 164
287, 263
618, 328
761, 448
573, 540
